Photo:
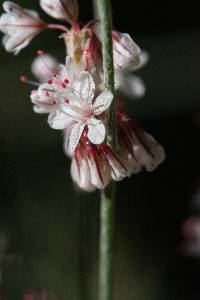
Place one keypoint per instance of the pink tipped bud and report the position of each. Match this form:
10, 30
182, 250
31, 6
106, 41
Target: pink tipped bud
139, 145
126, 52
19, 25
49, 81
40, 52
65, 10
24, 79
44, 66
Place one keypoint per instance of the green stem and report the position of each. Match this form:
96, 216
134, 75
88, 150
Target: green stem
84, 255
107, 205
106, 243
105, 16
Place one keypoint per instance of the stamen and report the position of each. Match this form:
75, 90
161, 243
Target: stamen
40, 52
66, 101
57, 27
46, 93
75, 27
66, 81
25, 79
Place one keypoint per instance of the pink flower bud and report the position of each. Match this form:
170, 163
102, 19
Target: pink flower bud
44, 66
139, 145
126, 52
94, 166
66, 10
19, 26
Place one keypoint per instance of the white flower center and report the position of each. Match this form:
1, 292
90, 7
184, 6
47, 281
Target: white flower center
88, 113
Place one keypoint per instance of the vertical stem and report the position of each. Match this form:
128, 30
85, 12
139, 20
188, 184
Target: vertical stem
105, 16
84, 255
108, 195
106, 243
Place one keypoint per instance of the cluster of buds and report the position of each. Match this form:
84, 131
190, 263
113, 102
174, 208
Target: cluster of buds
74, 96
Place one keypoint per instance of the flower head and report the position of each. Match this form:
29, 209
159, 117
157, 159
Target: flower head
89, 170
83, 110
47, 96
126, 52
19, 26
65, 10
44, 67
138, 144
127, 58
94, 166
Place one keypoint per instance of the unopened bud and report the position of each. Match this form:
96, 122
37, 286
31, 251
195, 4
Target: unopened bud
65, 10
126, 52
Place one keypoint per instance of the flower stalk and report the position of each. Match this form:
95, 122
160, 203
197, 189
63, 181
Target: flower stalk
106, 248
105, 16
107, 205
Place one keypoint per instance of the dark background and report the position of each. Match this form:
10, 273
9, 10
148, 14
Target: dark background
40, 208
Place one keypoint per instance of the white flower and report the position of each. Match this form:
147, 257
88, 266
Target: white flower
94, 166
80, 172
90, 169
83, 111
19, 26
66, 10
127, 58
44, 67
135, 142
117, 168
46, 98
129, 84
126, 53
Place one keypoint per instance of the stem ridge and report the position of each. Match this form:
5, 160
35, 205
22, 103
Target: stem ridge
107, 205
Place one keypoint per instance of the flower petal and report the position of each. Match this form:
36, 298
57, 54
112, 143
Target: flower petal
85, 87
99, 167
75, 136
69, 69
80, 172
20, 25
67, 9
72, 111
126, 52
102, 102
144, 58
148, 152
118, 169
58, 120
131, 86
96, 131
17, 42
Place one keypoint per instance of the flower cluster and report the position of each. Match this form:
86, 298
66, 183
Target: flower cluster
75, 99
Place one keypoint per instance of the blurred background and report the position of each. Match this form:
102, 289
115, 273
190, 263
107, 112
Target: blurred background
47, 226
